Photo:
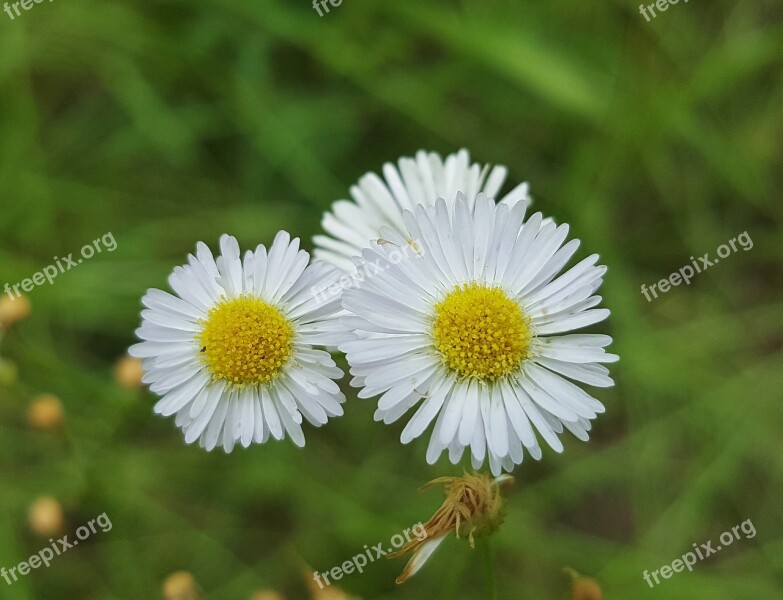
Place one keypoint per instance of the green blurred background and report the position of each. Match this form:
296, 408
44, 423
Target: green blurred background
167, 122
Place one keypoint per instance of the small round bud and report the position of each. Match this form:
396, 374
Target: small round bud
180, 585
267, 595
46, 517
128, 372
7, 372
45, 413
584, 588
13, 310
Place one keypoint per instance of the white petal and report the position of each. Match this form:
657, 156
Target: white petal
420, 556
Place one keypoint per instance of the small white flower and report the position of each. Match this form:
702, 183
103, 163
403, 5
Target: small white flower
232, 356
472, 333
352, 225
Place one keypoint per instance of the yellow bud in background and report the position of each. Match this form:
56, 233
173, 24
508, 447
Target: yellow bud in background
7, 372
584, 588
13, 310
180, 585
267, 595
324, 592
128, 372
46, 517
46, 413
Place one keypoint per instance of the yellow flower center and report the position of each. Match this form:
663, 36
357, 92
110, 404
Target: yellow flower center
245, 341
480, 332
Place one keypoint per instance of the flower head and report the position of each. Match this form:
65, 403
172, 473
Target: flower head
232, 354
473, 508
376, 202
473, 332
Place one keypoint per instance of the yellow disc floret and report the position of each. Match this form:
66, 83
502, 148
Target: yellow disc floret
480, 332
245, 341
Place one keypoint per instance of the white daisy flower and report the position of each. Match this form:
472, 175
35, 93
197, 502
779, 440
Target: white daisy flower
352, 225
232, 355
472, 332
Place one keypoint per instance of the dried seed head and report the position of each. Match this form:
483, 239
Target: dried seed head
473, 508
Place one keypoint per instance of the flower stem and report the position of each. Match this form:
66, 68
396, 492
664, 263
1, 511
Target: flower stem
489, 568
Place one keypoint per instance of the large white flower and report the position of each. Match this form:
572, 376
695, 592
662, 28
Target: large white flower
472, 331
352, 225
232, 353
